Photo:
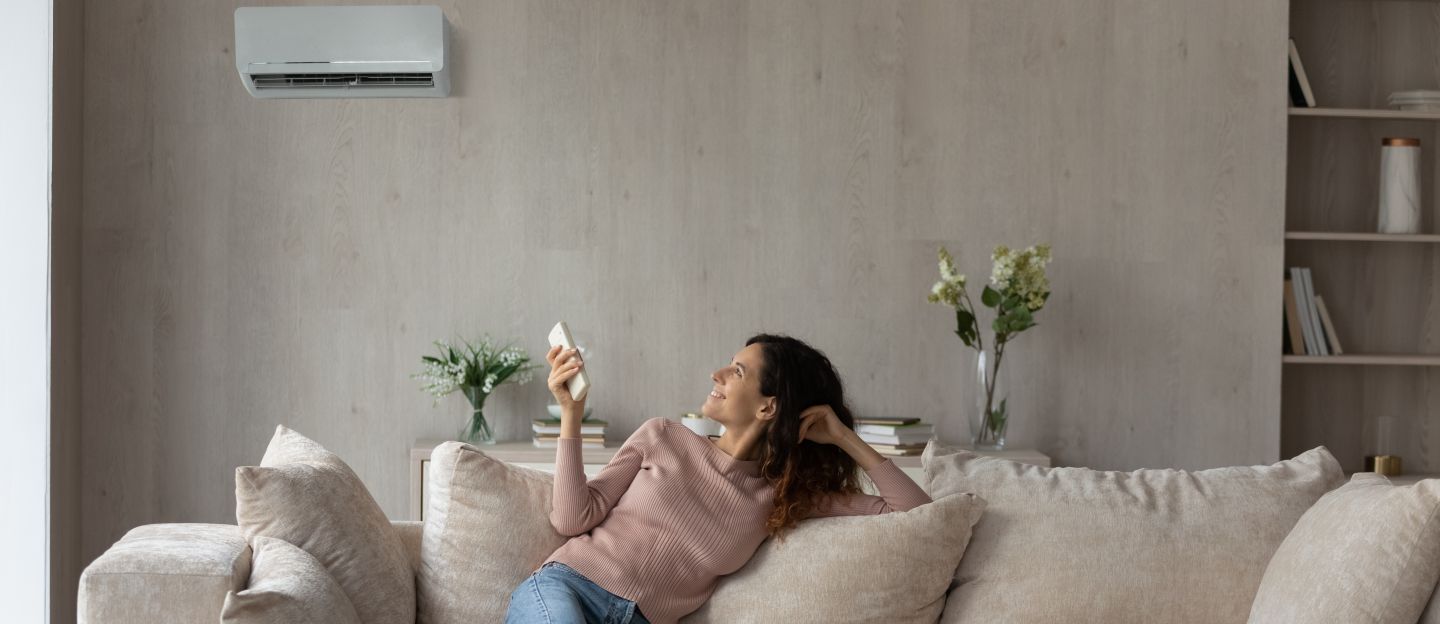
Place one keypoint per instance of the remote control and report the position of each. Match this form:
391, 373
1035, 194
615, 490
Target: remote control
579, 385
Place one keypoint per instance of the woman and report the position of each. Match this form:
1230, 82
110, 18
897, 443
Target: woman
673, 511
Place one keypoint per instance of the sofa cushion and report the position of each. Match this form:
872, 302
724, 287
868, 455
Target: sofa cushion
1367, 553
188, 568
1080, 545
307, 496
892, 567
287, 585
487, 527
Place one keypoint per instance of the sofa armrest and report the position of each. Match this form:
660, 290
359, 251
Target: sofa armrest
163, 573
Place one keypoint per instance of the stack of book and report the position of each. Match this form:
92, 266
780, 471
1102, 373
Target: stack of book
547, 431
1309, 330
894, 436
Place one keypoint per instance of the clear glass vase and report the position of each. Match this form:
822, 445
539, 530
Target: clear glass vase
478, 430
990, 417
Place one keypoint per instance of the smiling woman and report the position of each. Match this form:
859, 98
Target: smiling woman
673, 511
24, 279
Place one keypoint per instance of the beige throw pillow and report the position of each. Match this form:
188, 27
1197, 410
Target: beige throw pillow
308, 497
892, 567
1367, 553
287, 585
1077, 545
487, 527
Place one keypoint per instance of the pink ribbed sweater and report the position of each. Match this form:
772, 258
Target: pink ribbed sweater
671, 513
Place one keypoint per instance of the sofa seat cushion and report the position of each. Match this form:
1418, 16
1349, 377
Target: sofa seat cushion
305, 495
893, 568
1078, 545
1366, 553
287, 585
487, 527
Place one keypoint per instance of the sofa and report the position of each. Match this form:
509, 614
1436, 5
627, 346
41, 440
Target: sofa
1295, 541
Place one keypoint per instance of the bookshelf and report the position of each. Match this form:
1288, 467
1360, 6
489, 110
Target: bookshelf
1382, 290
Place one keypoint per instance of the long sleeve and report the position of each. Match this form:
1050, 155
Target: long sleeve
898, 492
577, 505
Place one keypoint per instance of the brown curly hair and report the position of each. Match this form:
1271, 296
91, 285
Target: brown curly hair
802, 473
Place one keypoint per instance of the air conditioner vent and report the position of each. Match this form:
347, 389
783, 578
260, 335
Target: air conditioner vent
310, 81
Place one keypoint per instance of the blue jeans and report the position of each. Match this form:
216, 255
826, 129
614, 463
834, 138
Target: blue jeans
557, 594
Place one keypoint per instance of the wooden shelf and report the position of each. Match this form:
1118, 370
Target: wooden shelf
1368, 237
1375, 359
1367, 113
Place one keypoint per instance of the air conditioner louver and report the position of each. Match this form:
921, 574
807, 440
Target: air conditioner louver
292, 81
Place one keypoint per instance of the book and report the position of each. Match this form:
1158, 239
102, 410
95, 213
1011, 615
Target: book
904, 438
1329, 326
551, 443
585, 428
917, 427
556, 421
553, 436
883, 420
1301, 301
1300, 93
1314, 314
1292, 320
908, 452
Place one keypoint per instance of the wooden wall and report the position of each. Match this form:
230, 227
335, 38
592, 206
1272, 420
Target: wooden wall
670, 177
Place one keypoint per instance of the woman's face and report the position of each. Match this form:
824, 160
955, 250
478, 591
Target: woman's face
735, 399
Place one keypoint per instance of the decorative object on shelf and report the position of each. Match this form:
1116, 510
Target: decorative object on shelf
1301, 95
702, 425
1388, 465
1415, 100
476, 370
1018, 289
1399, 185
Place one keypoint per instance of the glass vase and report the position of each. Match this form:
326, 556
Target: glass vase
989, 418
478, 430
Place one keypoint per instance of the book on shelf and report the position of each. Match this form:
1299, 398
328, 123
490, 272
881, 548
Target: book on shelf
1301, 95
902, 438
556, 436
1292, 320
885, 420
1302, 307
1329, 326
915, 427
900, 451
553, 443
1314, 314
585, 428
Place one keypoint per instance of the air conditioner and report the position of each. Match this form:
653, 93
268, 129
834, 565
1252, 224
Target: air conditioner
342, 51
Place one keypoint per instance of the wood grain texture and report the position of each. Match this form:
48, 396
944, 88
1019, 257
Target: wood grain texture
671, 177
1384, 298
67, 156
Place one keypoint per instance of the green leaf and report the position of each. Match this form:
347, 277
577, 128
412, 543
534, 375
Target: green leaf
990, 297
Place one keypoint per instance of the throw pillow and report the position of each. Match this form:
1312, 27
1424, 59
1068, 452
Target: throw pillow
893, 567
487, 527
305, 495
1079, 545
1367, 553
287, 585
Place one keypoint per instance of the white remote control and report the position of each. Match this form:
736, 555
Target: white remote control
579, 385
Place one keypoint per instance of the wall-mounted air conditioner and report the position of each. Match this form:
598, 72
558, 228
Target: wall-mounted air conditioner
342, 51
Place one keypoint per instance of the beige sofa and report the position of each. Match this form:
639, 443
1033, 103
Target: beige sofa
163, 573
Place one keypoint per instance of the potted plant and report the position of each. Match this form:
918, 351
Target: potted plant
1018, 289
475, 369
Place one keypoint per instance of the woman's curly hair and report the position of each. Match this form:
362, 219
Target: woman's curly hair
802, 473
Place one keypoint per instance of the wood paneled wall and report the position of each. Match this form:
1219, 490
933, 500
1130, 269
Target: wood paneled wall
670, 177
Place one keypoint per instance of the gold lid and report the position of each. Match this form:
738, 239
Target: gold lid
1399, 142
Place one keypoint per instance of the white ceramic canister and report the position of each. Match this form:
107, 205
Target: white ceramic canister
1399, 186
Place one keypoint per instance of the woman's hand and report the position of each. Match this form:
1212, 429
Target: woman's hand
820, 424
564, 364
